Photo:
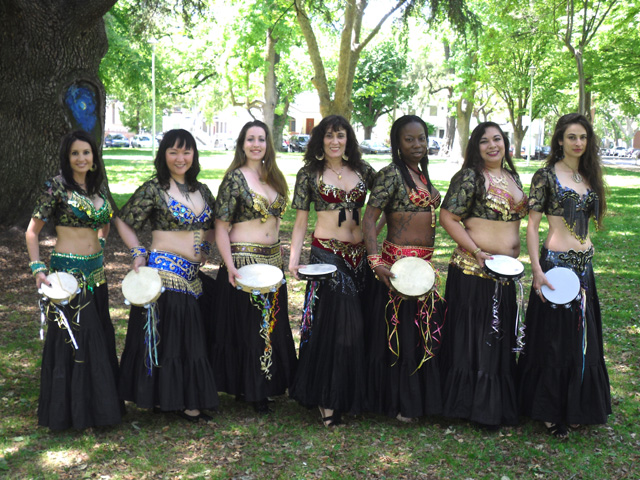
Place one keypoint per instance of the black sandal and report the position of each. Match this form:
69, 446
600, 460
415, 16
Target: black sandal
557, 430
330, 420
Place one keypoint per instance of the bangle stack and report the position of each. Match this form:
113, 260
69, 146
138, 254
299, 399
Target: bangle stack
475, 252
375, 261
138, 252
37, 267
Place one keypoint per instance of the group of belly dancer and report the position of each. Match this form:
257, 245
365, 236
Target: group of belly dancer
364, 346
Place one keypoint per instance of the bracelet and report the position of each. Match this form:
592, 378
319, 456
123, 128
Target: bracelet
103, 242
206, 247
475, 252
138, 252
375, 261
37, 267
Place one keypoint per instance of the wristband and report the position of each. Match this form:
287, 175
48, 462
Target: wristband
375, 261
475, 252
138, 252
37, 267
103, 242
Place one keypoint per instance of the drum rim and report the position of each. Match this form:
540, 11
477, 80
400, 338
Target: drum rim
44, 287
393, 280
239, 281
501, 274
544, 290
132, 274
333, 270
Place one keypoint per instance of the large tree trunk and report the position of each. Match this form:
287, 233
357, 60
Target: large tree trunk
270, 92
464, 110
50, 53
279, 121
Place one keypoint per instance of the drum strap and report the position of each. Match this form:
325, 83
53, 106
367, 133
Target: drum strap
269, 308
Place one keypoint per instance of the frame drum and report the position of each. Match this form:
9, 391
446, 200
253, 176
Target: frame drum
317, 271
566, 284
504, 268
414, 277
142, 288
63, 289
259, 278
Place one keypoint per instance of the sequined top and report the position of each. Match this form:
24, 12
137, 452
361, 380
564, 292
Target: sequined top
311, 189
467, 197
238, 203
389, 193
70, 209
548, 196
152, 203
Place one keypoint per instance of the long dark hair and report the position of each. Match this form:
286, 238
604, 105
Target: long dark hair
396, 128
179, 138
94, 177
590, 164
272, 175
472, 157
315, 147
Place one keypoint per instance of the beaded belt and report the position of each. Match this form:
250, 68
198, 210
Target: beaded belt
245, 253
90, 267
573, 259
177, 273
353, 253
391, 252
466, 262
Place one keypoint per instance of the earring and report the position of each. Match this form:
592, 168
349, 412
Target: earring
344, 157
93, 168
320, 157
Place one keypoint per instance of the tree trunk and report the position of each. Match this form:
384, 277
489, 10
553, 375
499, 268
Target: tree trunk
50, 53
464, 109
279, 121
270, 93
367, 132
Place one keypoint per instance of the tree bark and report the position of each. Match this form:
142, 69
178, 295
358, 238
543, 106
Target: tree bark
270, 92
464, 110
50, 53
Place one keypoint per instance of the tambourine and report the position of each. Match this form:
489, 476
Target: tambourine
259, 278
143, 287
317, 271
504, 268
63, 289
566, 284
414, 277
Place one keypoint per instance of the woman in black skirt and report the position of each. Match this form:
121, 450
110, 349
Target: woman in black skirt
404, 334
482, 212
331, 373
253, 352
78, 380
563, 378
165, 365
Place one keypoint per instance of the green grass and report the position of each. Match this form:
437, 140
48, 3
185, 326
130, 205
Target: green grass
291, 442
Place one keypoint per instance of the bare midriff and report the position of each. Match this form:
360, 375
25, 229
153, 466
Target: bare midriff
495, 237
327, 227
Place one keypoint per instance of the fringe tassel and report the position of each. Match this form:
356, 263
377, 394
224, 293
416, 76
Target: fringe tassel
151, 338
268, 310
307, 313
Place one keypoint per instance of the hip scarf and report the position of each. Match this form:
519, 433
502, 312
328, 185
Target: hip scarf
177, 273
348, 280
266, 303
89, 272
580, 263
467, 262
430, 338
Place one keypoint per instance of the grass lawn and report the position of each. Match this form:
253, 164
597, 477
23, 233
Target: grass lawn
291, 442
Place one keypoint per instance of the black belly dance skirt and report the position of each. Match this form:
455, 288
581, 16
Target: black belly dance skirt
562, 376
478, 363
331, 372
253, 352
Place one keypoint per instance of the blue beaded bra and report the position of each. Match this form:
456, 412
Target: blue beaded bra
187, 216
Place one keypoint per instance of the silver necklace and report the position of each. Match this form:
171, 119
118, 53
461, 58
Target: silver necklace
183, 189
575, 175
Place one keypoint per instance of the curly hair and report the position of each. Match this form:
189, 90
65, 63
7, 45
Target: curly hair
272, 175
396, 129
472, 157
178, 138
94, 177
590, 164
315, 147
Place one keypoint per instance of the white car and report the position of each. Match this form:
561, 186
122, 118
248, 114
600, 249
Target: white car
141, 141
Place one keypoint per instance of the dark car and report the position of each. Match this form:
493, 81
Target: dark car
542, 152
434, 147
371, 146
116, 140
298, 143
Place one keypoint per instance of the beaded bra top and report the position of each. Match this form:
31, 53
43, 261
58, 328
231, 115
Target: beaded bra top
264, 208
501, 201
352, 200
84, 209
185, 215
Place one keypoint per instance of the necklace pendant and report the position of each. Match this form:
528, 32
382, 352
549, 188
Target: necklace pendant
339, 177
576, 177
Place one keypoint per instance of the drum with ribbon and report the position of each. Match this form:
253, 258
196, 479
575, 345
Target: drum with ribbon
317, 271
64, 287
413, 277
504, 268
566, 286
259, 278
142, 287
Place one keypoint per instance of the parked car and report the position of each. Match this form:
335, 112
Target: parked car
542, 152
371, 146
620, 152
434, 147
141, 141
298, 143
285, 144
116, 140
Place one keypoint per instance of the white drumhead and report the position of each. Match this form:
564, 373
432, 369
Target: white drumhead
63, 286
318, 269
504, 265
566, 284
143, 287
259, 276
414, 277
